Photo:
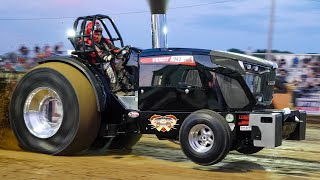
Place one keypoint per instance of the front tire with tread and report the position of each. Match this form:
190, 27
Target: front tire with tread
221, 137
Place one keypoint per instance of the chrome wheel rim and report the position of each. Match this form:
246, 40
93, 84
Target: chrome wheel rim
201, 138
43, 112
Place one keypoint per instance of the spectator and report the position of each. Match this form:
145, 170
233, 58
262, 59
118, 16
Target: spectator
295, 62
24, 51
38, 53
282, 76
47, 51
282, 63
58, 49
306, 60
36, 49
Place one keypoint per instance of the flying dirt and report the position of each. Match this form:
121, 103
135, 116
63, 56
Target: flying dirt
7, 139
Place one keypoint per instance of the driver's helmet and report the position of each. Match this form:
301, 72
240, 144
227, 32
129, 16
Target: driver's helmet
97, 31
97, 27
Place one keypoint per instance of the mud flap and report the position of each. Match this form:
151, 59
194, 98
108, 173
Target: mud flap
266, 129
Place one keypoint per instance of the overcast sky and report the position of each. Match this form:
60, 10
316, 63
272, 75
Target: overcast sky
208, 24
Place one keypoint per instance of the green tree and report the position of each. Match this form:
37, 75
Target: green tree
236, 50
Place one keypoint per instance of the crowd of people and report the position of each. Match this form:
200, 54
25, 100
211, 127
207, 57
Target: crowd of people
26, 57
300, 74
303, 73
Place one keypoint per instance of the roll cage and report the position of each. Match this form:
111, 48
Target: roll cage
78, 41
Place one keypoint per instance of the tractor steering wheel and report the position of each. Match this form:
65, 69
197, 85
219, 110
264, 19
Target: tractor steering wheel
124, 53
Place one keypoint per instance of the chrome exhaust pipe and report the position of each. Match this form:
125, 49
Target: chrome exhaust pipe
159, 23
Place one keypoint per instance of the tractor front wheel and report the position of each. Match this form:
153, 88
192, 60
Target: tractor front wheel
205, 137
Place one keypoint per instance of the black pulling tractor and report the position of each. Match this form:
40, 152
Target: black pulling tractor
211, 102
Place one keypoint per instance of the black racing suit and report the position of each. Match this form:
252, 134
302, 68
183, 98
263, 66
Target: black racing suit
115, 72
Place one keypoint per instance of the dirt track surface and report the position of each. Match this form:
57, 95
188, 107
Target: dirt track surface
154, 159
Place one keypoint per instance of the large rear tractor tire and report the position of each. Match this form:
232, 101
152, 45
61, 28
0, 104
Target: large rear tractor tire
205, 137
53, 110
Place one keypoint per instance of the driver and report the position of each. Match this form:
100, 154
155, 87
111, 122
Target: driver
107, 52
104, 47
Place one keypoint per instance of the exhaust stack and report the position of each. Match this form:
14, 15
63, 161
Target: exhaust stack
159, 23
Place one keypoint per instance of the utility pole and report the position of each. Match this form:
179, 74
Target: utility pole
270, 33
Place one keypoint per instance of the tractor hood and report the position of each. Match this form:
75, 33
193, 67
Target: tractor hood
244, 58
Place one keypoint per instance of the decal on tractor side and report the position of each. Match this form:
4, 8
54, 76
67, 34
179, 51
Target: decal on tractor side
133, 114
243, 120
163, 123
184, 60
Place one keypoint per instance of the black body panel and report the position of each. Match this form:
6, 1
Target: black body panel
190, 87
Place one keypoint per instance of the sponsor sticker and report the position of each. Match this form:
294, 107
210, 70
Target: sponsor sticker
163, 123
133, 114
243, 119
232, 125
185, 60
245, 128
229, 118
